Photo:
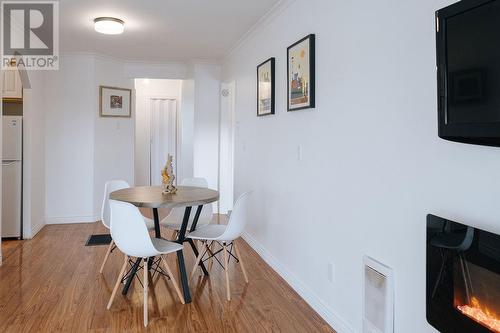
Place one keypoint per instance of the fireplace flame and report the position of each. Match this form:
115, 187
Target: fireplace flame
481, 314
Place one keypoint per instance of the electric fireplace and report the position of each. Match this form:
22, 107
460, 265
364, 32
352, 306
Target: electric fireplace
463, 277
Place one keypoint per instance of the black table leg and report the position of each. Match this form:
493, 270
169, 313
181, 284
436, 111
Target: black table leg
184, 279
182, 267
191, 242
135, 267
157, 223
185, 220
156, 220
196, 217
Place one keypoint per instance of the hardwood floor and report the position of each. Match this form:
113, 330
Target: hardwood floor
10, 246
52, 283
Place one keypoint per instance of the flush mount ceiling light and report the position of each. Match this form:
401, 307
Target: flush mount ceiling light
109, 25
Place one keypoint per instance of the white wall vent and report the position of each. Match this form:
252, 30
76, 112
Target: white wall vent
378, 297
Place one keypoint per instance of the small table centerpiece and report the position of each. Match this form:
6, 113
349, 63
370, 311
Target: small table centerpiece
168, 177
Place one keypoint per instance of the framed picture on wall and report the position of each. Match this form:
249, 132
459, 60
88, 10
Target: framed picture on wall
301, 74
115, 102
265, 88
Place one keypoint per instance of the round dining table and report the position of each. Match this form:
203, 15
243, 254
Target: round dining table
152, 197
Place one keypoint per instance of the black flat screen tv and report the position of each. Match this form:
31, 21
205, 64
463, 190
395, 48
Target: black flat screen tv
468, 71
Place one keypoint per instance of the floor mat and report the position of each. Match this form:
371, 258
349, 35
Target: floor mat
95, 240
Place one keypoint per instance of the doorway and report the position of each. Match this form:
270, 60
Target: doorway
163, 136
158, 132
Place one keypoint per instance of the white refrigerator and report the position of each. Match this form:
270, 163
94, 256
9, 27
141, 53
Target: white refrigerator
12, 155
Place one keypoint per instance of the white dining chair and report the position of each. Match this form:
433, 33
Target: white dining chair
226, 236
132, 238
111, 186
174, 220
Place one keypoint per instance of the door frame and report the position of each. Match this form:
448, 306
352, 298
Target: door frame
228, 169
147, 100
29, 230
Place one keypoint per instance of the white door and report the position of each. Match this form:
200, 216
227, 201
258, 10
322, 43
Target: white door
163, 134
226, 148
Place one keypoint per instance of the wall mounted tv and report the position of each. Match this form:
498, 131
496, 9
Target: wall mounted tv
468, 62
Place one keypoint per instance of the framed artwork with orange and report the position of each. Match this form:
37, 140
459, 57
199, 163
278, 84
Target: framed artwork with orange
301, 74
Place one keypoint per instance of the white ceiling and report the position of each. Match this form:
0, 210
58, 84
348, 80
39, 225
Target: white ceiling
159, 30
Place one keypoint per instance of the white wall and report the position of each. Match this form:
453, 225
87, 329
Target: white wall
69, 142
373, 165
113, 137
82, 149
187, 129
206, 122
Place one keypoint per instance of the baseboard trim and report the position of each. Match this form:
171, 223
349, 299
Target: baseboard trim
71, 219
36, 229
334, 320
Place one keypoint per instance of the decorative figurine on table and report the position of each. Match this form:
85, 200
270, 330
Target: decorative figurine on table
167, 176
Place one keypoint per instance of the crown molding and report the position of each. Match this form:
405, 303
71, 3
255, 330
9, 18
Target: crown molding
263, 22
205, 62
123, 60
101, 56
91, 54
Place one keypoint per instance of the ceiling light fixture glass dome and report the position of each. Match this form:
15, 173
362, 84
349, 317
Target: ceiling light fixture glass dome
109, 25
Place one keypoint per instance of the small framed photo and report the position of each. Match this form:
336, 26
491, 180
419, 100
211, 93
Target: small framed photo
265, 88
301, 74
115, 102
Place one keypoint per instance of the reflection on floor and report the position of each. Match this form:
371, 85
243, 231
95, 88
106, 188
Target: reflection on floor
9, 246
52, 283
